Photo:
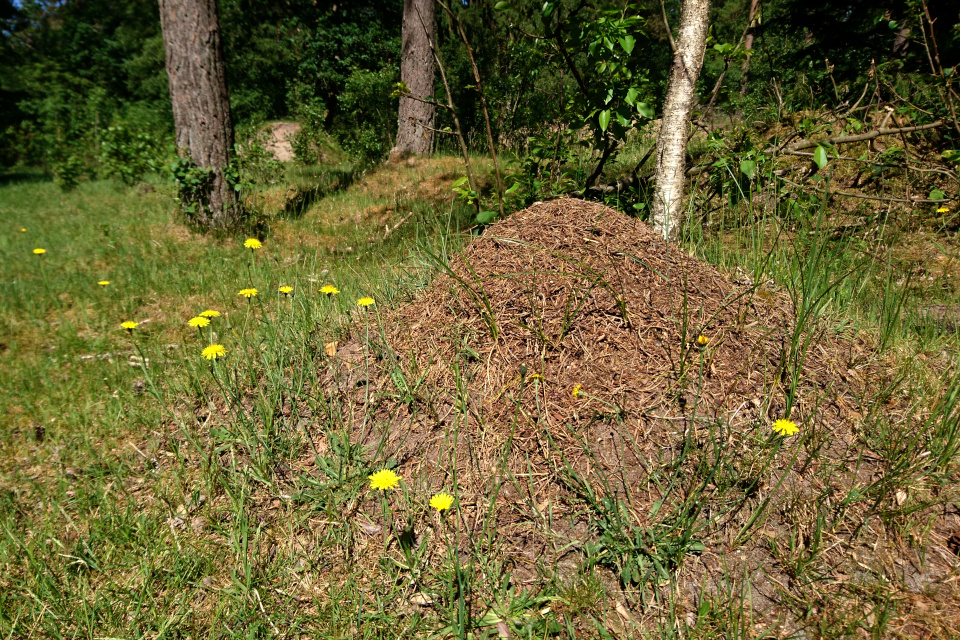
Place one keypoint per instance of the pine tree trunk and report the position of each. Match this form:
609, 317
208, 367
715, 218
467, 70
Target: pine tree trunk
672, 141
415, 120
201, 111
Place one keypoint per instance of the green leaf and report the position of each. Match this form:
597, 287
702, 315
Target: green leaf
513, 189
936, 194
604, 119
631, 96
459, 183
645, 110
820, 157
748, 168
892, 24
501, 6
628, 43
485, 217
548, 8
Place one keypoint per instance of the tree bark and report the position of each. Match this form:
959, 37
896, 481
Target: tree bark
672, 141
415, 117
201, 110
748, 46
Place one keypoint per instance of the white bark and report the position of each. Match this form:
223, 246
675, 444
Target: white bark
672, 142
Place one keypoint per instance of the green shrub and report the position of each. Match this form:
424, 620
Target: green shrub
128, 155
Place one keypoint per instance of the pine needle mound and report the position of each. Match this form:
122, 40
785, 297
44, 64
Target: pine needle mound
584, 387
604, 318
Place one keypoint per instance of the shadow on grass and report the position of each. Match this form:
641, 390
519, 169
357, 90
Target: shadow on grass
24, 175
330, 181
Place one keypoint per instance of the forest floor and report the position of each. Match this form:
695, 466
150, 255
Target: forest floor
612, 474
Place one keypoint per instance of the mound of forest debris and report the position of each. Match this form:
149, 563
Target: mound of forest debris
572, 318
583, 386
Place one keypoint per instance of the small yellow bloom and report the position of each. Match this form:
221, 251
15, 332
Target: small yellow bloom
103, 283
22, 229
285, 290
199, 321
384, 479
576, 390
702, 340
441, 501
329, 289
39, 252
247, 293
252, 243
213, 351
943, 210
210, 313
364, 302
129, 325
785, 427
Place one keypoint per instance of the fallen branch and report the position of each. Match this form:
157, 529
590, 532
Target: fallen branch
387, 230
864, 196
857, 138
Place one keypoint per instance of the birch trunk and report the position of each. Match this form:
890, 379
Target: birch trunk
415, 118
201, 108
672, 141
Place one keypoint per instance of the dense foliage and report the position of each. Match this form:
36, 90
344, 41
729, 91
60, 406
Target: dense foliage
83, 89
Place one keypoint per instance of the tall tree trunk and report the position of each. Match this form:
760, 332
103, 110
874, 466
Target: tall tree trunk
201, 111
748, 45
672, 141
415, 120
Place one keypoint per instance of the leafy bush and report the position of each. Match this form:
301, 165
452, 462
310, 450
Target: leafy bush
68, 171
367, 124
128, 155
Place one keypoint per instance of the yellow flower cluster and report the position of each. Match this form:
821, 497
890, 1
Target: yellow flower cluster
129, 325
365, 302
252, 243
285, 290
329, 289
386, 479
198, 322
247, 293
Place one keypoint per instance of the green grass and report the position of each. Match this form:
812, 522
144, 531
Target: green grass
192, 498
106, 466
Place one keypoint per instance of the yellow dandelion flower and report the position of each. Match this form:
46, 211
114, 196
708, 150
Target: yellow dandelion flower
247, 293
702, 340
441, 501
785, 427
213, 351
943, 210
364, 301
199, 321
329, 289
103, 283
209, 313
252, 243
23, 229
384, 479
39, 251
129, 325
576, 390
285, 290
